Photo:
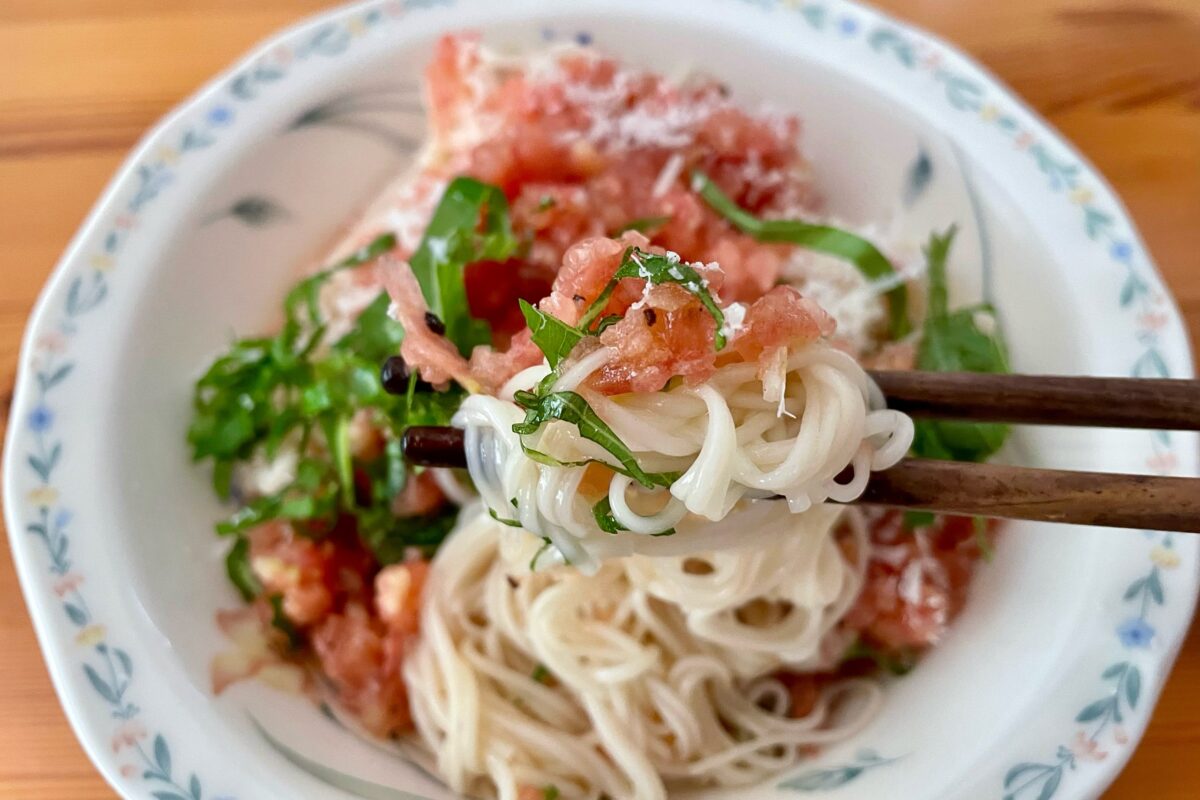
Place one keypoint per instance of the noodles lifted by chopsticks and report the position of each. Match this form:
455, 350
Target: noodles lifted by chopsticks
731, 439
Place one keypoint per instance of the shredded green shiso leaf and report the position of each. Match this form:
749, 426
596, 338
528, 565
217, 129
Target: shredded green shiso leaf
556, 339
956, 341
299, 391
821, 238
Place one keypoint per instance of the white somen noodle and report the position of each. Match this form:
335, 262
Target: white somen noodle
657, 669
734, 438
648, 662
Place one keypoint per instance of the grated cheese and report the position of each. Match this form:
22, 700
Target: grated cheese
735, 320
668, 175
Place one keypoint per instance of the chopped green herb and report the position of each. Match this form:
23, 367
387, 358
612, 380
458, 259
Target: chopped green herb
241, 575
222, 477
470, 224
571, 407
657, 269
552, 336
602, 511
546, 202
556, 340
606, 322
296, 390
305, 292
546, 544
512, 523
918, 519
540, 674
821, 238
234, 400
642, 225
390, 537
337, 442
281, 622
380, 245
550, 792
952, 341
375, 335
897, 662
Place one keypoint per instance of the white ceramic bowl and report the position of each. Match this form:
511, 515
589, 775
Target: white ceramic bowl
1044, 684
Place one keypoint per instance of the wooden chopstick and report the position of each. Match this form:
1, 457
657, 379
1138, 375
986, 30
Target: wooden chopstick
1113, 500
1149, 403
994, 490
1149, 502
434, 446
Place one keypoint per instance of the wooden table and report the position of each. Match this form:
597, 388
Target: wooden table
82, 79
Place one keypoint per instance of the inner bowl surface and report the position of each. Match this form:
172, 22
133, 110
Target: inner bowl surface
267, 181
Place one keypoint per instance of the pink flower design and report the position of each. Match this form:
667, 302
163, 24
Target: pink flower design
126, 221
1162, 462
1024, 140
1120, 736
933, 60
127, 735
68, 583
395, 9
129, 770
53, 342
1087, 749
1152, 320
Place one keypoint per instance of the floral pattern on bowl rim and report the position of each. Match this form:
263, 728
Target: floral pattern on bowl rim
143, 761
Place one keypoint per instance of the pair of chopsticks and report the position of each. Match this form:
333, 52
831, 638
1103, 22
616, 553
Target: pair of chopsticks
1113, 500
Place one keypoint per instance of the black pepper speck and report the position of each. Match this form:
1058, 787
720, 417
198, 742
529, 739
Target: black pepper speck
434, 323
394, 375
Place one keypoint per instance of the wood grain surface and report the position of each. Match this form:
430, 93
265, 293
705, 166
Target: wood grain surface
1147, 403
80, 80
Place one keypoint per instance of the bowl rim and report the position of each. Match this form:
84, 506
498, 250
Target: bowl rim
72, 685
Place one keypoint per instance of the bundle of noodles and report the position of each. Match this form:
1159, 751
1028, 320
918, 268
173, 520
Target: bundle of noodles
730, 406
652, 672
733, 439
639, 644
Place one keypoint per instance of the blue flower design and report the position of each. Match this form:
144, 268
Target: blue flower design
583, 38
62, 519
220, 115
40, 419
1135, 632
848, 26
1122, 251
